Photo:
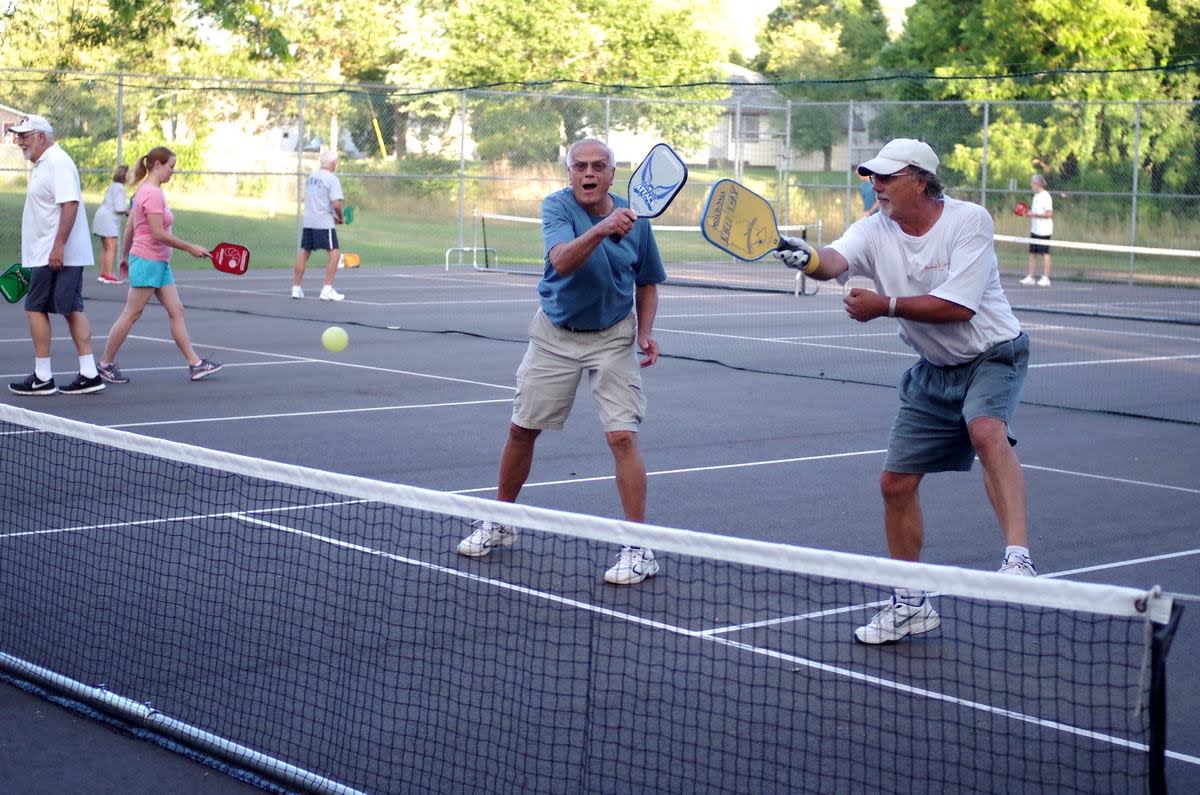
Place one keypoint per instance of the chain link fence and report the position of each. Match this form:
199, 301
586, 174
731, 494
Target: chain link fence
420, 166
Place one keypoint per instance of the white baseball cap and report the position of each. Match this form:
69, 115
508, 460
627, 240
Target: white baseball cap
327, 158
32, 123
898, 153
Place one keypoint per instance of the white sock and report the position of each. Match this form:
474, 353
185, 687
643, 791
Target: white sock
87, 366
910, 596
41, 368
1011, 550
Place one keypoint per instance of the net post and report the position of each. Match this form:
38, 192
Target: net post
1160, 646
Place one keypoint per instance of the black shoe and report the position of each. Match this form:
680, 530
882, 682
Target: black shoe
83, 386
33, 386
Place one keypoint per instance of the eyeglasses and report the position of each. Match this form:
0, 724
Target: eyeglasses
581, 167
885, 178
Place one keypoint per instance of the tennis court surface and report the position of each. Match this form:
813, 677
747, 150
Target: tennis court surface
261, 566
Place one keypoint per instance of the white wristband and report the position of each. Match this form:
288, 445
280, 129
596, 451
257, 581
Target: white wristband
892, 306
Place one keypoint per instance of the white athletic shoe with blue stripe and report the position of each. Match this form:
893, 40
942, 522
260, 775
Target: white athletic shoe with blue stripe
898, 620
633, 565
486, 537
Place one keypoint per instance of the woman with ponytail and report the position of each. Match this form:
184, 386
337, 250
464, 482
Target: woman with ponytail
146, 260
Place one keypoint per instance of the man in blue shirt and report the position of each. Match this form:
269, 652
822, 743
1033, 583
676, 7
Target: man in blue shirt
599, 296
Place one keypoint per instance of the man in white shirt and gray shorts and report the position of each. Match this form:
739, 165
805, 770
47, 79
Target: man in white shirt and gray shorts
933, 261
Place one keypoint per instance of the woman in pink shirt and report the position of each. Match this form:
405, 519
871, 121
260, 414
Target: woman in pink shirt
146, 259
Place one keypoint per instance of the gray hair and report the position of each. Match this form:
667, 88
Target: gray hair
1038, 179
934, 189
612, 159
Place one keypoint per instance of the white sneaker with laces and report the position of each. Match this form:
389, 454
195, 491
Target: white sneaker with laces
297, 291
330, 294
1028, 281
898, 620
633, 565
486, 537
1044, 281
1019, 565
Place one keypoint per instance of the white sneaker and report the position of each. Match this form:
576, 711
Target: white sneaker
1028, 281
898, 620
486, 537
330, 294
633, 565
1044, 281
297, 291
1020, 565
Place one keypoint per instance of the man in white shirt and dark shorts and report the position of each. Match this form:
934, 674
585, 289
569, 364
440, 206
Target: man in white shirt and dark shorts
322, 212
55, 246
1041, 227
933, 261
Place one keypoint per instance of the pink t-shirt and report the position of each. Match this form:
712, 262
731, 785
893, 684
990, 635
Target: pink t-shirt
150, 199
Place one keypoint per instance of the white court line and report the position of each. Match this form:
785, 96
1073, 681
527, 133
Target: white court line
783, 341
1131, 360
280, 415
686, 470
1113, 479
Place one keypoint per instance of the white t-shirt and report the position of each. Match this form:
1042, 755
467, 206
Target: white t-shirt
955, 261
107, 220
1042, 202
321, 191
53, 181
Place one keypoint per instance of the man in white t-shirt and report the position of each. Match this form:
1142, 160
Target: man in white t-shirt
55, 246
1041, 227
322, 211
933, 261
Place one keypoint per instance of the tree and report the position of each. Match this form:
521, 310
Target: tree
1066, 50
810, 39
599, 43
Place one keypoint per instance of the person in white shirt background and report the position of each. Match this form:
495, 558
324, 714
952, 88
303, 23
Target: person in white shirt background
1041, 226
106, 224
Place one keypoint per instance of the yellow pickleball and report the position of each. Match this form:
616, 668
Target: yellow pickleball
335, 339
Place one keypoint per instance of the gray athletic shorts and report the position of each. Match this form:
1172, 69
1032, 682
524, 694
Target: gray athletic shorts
55, 292
936, 403
556, 359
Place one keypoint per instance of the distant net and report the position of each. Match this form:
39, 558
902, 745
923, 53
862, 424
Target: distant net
319, 628
1106, 280
514, 245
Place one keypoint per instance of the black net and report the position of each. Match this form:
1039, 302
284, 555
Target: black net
322, 629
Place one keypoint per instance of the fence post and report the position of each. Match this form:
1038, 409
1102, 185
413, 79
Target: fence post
983, 163
1137, 158
300, 161
737, 139
787, 163
462, 177
120, 116
847, 213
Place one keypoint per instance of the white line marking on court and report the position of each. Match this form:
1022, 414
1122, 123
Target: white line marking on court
280, 415
1131, 360
784, 341
686, 470
1112, 479
354, 365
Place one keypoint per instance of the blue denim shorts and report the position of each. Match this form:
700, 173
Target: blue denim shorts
936, 403
149, 272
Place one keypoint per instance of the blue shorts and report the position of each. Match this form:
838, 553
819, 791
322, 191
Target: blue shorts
149, 272
318, 239
55, 292
936, 403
